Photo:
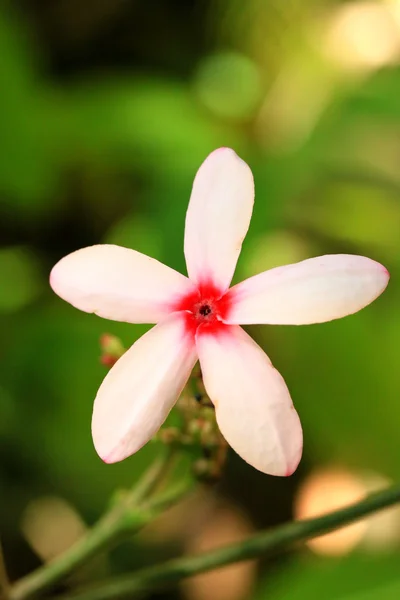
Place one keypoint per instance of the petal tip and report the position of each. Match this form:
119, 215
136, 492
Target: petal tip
108, 459
108, 456
292, 469
224, 149
297, 454
386, 273
384, 278
104, 449
58, 277
53, 278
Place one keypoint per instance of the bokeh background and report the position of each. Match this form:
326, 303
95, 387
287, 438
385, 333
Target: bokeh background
107, 109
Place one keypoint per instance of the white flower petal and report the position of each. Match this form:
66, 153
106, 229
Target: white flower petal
253, 406
138, 393
312, 291
118, 283
218, 218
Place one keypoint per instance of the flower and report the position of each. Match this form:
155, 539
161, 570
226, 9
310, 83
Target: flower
199, 317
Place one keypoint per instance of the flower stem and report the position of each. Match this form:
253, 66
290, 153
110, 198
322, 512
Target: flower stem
264, 543
129, 514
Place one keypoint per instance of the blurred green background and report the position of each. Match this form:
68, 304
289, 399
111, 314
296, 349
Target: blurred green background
107, 109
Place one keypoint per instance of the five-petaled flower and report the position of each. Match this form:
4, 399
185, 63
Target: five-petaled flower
199, 317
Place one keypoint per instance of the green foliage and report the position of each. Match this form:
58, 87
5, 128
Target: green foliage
108, 154
355, 577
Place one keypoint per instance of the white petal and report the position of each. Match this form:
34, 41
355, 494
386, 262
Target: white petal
118, 283
218, 218
253, 406
138, 393
312, 291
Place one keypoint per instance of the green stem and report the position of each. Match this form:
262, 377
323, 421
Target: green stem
265, 543
130, 514
152, 478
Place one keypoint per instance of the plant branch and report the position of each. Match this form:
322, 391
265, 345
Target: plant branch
264, 543
152, 478
130, 513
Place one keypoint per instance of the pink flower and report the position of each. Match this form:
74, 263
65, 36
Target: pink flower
198, 318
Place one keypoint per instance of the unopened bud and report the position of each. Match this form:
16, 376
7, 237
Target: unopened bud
169, 435
111, 349
107, 360
208, 470
194, 427
202, 468
208, 413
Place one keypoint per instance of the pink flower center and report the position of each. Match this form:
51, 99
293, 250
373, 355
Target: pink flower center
207, 307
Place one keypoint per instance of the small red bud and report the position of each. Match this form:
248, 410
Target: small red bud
107, 360
111, 349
